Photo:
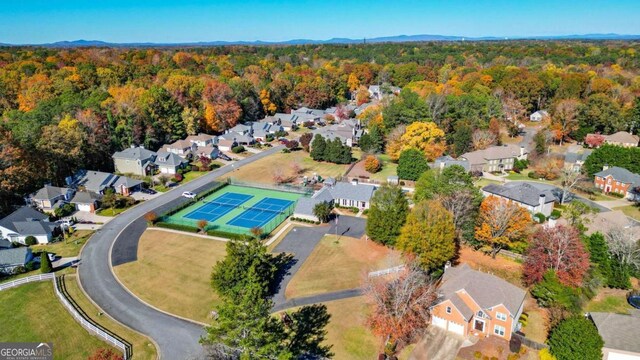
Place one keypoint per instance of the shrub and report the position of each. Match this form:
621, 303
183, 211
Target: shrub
238, 149
151, 217
286, 151
177, 177
45, 263
292, 144
30, 240
477, 355
372, 164
555, 214
64, 210
179, 227
539, 217
227, 235
195, 168
576, 338
533, 175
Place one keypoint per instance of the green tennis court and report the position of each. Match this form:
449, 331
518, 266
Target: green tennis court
238, 209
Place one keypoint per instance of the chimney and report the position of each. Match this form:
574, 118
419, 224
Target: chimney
605, 167
541, 201
354, 181
521, 151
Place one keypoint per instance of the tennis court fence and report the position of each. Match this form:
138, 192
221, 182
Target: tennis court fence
282, 187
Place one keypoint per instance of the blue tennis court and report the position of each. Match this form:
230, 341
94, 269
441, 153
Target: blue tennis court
218, 207
261, 213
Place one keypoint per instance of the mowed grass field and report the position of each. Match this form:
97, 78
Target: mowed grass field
262, 171
33, 313
340, 265
347, 330
143, 348
173, 273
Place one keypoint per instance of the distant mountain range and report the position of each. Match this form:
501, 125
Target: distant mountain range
386, 39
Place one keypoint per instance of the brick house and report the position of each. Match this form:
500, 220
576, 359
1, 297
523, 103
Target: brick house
618, 180
471, 302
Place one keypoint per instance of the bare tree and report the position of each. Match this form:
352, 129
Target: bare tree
624, 245
461, 205
569, 179
278, 175
565, 117
437, 104
482, 139
400, 305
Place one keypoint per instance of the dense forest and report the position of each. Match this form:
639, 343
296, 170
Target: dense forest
66, 109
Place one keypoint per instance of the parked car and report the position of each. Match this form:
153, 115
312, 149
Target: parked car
224, 157
51, 256
189, 195
283, 141
65, 223
149, 191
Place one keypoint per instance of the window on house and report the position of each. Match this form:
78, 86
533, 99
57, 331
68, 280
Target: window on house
480, 313
448, 309
501, 316
498, 330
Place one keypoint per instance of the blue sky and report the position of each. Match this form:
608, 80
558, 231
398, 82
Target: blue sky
39, 21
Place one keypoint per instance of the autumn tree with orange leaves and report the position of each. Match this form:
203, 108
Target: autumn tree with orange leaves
400, 305
221, 110
501, 224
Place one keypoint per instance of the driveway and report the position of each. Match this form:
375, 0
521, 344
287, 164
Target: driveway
437, 344
116, 243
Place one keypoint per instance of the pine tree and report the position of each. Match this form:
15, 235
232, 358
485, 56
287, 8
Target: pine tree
318, 148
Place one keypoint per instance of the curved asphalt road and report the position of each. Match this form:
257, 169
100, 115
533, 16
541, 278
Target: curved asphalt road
176, 338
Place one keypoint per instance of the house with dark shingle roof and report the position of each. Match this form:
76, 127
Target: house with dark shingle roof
446, 161
24, 222
98, 182
622, 138
495, 158
471, 302
340, 193
526, 195
134, 160
575, 160
618, 180
10, 259
620, 333
86, 201
169, 163
49, 197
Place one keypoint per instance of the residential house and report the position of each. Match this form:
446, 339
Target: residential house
226, 145
182, 148
446, 161
10, 259
339, 193
575, 160
240, 129
210, 152
539, 115
348, 131
50, 197
239, 138
98, 182
378, 92
471, 302
495, 158
4, 243
620, 333
361, 108
287, 122
622, 138
605, 221
27, 221
618, 180
306, 111
169, 163
134, 160
86, 201
526, 195
202, 140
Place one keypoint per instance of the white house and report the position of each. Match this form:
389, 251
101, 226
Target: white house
49, 197
24, 222
539, 115
526, 195
340, 193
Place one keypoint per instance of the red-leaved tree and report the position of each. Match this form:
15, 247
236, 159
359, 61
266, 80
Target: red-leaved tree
558, 248
594, 140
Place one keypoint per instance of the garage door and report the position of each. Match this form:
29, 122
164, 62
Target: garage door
439, 322
619, 356
456, 328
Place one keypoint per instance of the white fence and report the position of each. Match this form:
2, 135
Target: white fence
79, 318
387, 271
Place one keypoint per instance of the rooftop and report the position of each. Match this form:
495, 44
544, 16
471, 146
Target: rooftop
23, 214
520, 192
134, 153
620, 174
622, 137
620, 332
15, 256
49, 192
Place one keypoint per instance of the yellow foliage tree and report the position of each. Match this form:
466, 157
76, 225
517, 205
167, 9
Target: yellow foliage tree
424, 136
353, 82
268, 106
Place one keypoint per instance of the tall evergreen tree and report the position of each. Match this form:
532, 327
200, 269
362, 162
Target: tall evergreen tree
318, 148
412, 164
387, 213
576, 338
45, 263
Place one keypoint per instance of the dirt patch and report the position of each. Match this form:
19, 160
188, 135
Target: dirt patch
503, 267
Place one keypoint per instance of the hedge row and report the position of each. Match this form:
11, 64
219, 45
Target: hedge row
305, 220
180, 227
225, 234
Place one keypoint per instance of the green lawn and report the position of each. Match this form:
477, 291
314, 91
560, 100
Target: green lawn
33, 313
389, 168
192, 175
631, 211
482, 182
612, 303
111, 211
519, 177
70, 246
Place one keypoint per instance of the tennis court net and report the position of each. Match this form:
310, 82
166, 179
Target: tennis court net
281, 211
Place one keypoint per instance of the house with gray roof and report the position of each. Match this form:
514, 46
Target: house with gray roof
348, 131
620, 333
169, 163
343, 194
135, 160
446, 161
618, 180
86, 201
182, 148
471, 302
495, 158
526, 195
24, 222
98, 182
575, 160
307, 111
622, 138
202, 140
10, 259
50, 197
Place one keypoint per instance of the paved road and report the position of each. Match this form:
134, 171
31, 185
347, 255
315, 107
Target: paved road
176, 338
